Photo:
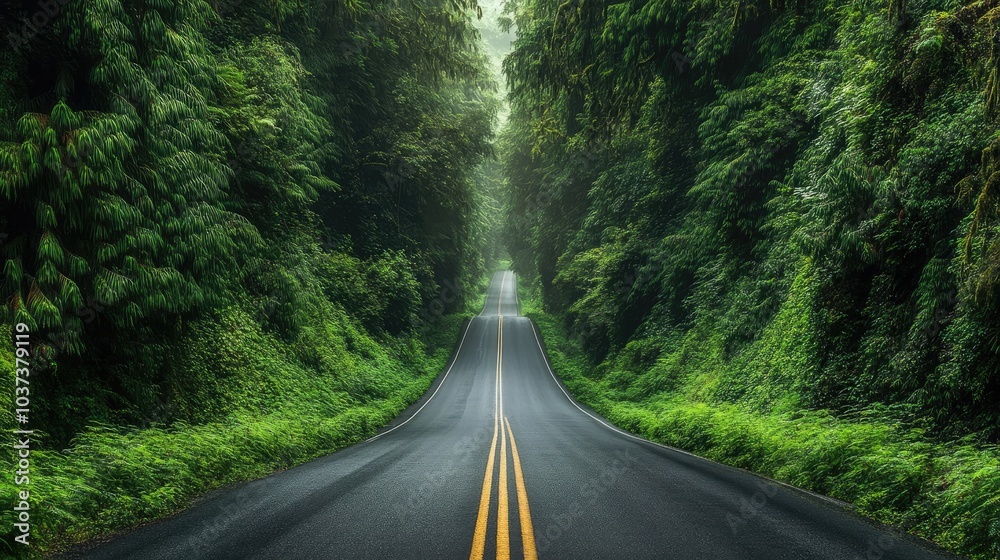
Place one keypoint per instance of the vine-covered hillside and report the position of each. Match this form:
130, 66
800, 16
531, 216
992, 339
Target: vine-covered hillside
764, 210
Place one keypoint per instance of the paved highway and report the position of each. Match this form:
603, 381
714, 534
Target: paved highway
497, 461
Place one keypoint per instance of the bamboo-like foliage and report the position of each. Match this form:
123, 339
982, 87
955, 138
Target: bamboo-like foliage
187, 158
852, 144
127, 199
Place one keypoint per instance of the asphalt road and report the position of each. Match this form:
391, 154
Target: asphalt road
445, 480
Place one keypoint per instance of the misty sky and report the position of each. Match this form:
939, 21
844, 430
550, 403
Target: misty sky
497, 43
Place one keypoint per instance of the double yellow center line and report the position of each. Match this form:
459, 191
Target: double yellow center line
503, 512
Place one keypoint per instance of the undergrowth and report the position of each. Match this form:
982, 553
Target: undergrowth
112, 478
945, 491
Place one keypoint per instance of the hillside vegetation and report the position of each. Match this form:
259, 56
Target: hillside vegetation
773, 228
238, 232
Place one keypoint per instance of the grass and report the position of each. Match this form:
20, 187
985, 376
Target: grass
113, 478
946, 492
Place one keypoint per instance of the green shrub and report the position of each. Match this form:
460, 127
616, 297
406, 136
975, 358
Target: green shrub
947, 492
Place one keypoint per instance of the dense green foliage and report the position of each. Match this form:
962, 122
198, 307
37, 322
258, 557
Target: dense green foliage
167, 161
115, 477
945, 492
823, 170
227, 216
766, 208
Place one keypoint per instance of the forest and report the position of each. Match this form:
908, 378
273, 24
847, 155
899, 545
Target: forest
773, 228
243, 234
234, 229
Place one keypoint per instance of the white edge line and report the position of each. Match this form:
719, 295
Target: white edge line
496, 386
443, 379
500, 370
503, 281
516, 300
545, 358
573, 402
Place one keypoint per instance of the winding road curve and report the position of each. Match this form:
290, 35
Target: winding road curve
497, 461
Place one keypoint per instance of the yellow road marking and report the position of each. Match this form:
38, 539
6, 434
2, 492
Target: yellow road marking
527, 530
503, 516
503, 500
479, 536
